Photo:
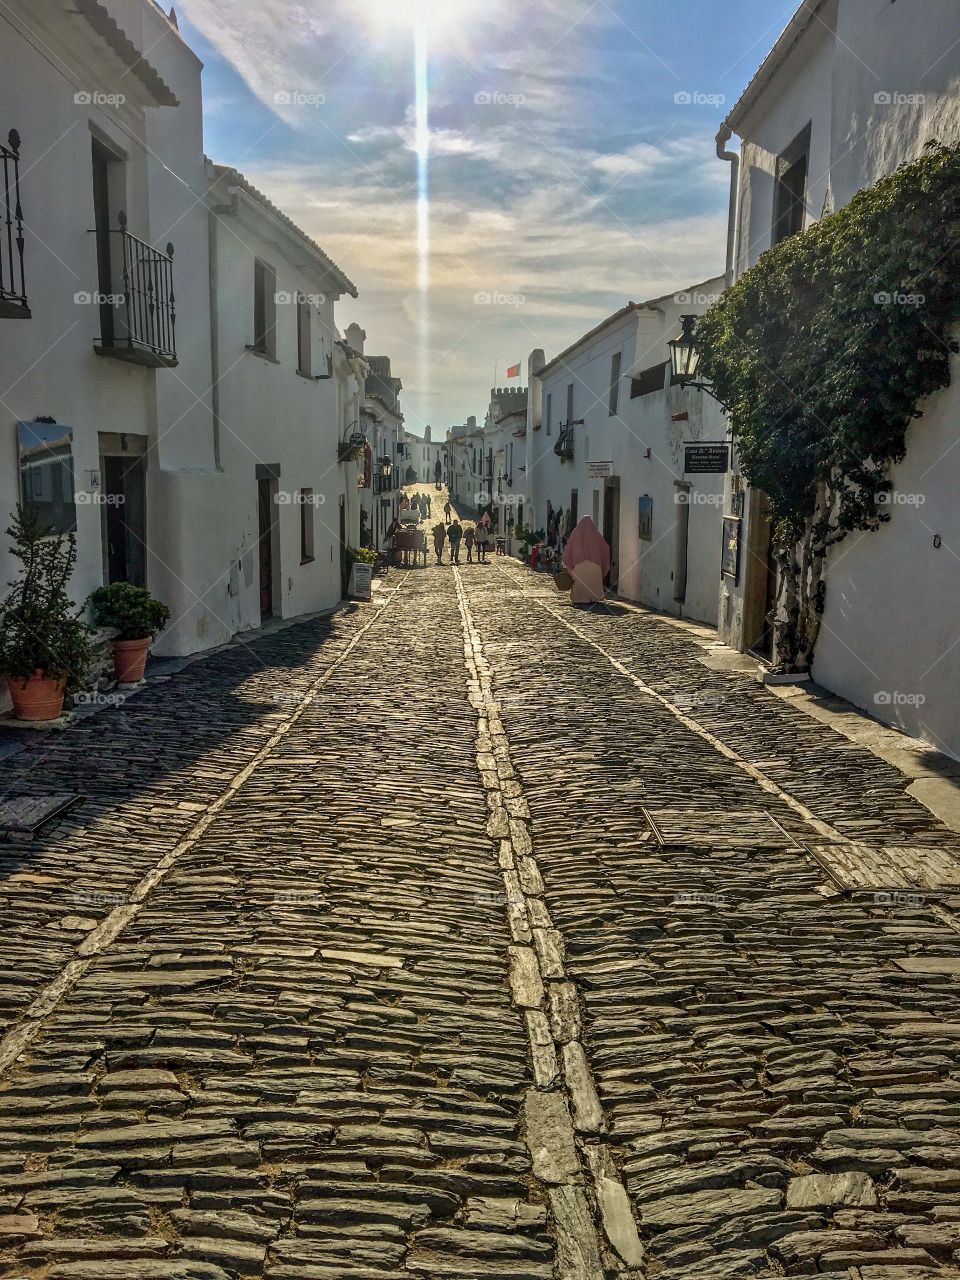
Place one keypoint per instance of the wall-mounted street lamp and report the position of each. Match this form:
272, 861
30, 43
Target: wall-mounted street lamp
685, 359
386, 468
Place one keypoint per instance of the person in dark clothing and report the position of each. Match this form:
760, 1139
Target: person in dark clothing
439, 538
455, 533
447, 511
469, 535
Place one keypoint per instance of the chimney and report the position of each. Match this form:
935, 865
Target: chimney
355, 337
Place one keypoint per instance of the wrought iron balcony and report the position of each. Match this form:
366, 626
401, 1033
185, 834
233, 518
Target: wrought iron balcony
138, 322
564, 445
13, 288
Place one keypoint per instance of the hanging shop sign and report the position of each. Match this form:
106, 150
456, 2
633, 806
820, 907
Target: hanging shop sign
711, 458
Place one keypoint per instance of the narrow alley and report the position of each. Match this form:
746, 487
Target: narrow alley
463, 933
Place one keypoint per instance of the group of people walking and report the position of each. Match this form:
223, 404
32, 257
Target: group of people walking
478, 538
421, 503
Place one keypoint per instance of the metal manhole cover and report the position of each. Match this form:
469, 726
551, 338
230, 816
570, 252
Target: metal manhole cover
718, 829
868, 868
27, 813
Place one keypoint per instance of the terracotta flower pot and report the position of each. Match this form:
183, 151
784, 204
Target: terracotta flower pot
130, 659
38, 697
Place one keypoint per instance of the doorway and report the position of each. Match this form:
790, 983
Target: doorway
764, 645
266, 508
611, 527
343, 546
124, 526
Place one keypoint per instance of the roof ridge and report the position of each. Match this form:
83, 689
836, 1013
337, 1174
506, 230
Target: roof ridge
255, 193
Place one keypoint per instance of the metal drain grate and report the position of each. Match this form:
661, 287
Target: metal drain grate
25, 814
862, 868
718, 829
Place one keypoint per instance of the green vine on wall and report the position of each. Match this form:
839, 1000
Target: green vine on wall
823, 352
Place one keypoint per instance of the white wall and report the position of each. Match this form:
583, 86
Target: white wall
890, 640
48, 362
646, 569
888, 83
271, 415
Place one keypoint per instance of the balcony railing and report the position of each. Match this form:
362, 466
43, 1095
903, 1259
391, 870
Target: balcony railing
13, 288
564, 445
137, 323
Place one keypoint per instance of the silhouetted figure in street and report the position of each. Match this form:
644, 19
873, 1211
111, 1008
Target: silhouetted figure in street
469, 537
439, 538
455, 533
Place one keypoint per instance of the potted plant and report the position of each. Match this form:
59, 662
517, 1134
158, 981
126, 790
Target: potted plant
44, 648
136, 617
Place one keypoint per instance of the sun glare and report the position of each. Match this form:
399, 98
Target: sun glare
433, 16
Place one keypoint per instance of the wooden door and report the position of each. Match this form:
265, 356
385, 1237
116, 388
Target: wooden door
124, 519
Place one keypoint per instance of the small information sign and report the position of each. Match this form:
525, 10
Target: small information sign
361, 581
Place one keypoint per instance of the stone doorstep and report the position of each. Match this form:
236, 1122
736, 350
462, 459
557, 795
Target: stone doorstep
58, 725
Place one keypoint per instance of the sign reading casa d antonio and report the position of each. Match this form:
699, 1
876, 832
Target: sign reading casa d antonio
708, 458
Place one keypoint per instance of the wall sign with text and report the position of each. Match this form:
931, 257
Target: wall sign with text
712, 458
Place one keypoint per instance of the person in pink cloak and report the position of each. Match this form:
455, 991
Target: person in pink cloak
587, 559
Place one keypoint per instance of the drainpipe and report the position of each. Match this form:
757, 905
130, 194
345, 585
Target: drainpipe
723, 137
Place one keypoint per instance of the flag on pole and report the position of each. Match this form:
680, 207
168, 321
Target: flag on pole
513, 371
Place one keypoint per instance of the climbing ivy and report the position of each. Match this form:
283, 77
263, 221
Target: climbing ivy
823, 352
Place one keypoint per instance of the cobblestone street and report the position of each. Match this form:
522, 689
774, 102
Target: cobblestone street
463, 933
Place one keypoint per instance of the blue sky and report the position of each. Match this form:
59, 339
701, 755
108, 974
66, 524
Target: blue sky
565, 175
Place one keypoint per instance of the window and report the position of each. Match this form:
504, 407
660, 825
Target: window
647, 381
569, 403
46, 473
548, 416
645, 522
109, 201
615, 382
306, 526
790, 193
264, 310
304, 328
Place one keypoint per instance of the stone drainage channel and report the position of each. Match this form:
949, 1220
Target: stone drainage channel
563, 1120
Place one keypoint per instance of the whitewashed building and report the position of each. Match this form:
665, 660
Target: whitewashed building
421, 454
176, 390
107, 330
851, 90
504, 447
607, 437
466, 467
284, 396
380, 420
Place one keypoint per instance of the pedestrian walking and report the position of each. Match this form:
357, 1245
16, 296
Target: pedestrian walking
483, 542
426, 498
455, 533
439, 538
391, 539
469, 537
447, 511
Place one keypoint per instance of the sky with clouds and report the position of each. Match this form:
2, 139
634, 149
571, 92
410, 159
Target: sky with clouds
571, 160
